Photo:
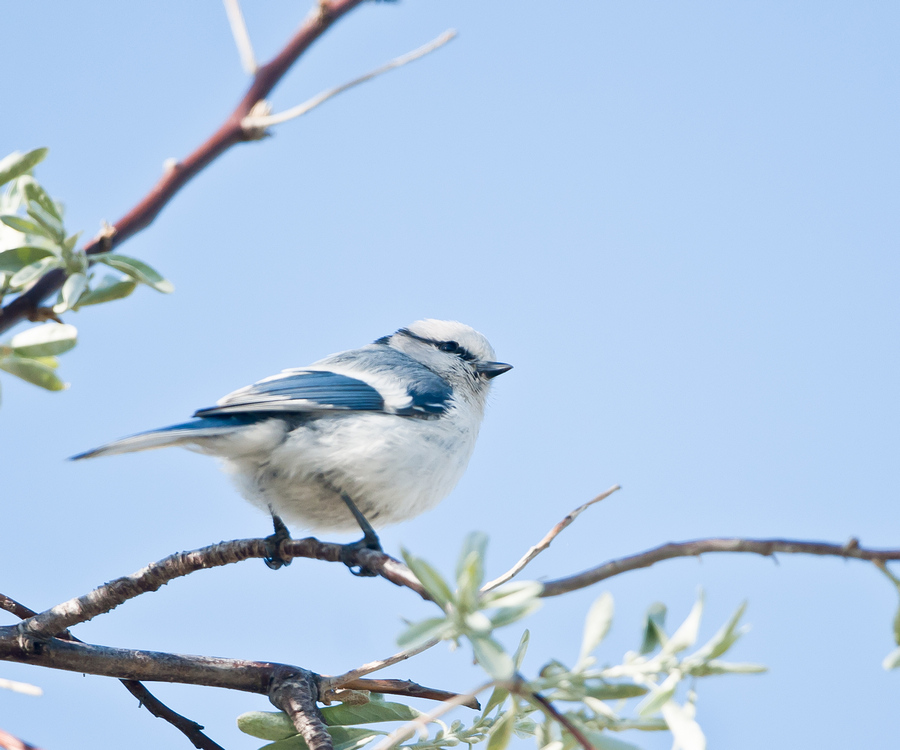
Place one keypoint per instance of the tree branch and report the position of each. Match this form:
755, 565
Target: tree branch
295, 692
261, 122
229, 133
112, 594
9, 742
697, 547
189, 728
547, 540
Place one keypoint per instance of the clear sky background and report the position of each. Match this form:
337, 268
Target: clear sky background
677, 220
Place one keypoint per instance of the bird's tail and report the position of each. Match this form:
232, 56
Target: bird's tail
176, 434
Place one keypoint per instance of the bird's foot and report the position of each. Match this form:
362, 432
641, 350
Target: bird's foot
369, 541
273, 542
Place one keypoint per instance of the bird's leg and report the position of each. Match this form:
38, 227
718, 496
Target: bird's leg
369, 540
273, 543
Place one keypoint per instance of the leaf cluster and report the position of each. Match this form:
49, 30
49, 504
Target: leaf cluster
35, 242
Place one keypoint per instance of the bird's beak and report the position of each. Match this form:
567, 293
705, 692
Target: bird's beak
492, 369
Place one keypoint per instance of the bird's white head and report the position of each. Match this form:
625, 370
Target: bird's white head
453, 350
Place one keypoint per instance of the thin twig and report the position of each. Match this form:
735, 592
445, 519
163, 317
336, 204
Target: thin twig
547, 540
420, 723
241, 36
24, 688
260, 123
406, 688
10, 742
374, 666
697, 547
548, 708
229, 134
189, 728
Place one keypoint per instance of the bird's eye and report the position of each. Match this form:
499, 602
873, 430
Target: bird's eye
449, 346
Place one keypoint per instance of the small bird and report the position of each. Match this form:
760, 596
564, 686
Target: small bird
374, 435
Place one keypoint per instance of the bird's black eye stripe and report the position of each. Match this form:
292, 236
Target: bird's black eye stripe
451, 347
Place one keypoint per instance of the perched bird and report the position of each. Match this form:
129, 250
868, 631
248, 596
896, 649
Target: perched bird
368, 436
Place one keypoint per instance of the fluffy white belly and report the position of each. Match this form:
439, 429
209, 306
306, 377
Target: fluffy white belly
393, 468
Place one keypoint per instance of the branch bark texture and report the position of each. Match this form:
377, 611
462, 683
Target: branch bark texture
697, 547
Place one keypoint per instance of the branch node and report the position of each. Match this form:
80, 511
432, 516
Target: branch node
251, 130
295, 691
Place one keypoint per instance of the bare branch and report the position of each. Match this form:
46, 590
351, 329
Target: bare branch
547, 540
112, 594
421, 723
406, 688
189, 728
229, 134
374, 666
697, 547
241, 36
256, 124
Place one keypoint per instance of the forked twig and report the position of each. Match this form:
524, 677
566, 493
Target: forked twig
255, 123
547, 540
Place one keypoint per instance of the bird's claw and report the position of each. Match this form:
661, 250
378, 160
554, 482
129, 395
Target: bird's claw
369, 541
273, 558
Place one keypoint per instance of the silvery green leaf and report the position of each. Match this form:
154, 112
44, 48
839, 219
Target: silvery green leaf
600, 708
267, 725
109, 289
498, 696
892, 660
17, 164
71, 292
491, 656
25, 227
897, 627
506, 615
654, 624
373, 711
659, 695
477, 623
44, 340
501, 731
685, 731
50, 223
605, 741
686, 634
343, 738
596, 625
715, 666
18, 257
33, 372
475, 543
511, 594
724, 639
34, 271
420, 632
36, 194
431, 580
137, 270
613, 691
521, 649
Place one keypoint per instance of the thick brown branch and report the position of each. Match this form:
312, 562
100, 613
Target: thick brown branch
189, 728
295, 692
112, 594
699, 547
230, 133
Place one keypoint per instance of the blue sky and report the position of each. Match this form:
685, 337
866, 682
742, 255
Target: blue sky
678, 221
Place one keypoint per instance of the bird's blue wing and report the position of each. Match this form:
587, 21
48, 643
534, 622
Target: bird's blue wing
300, 391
